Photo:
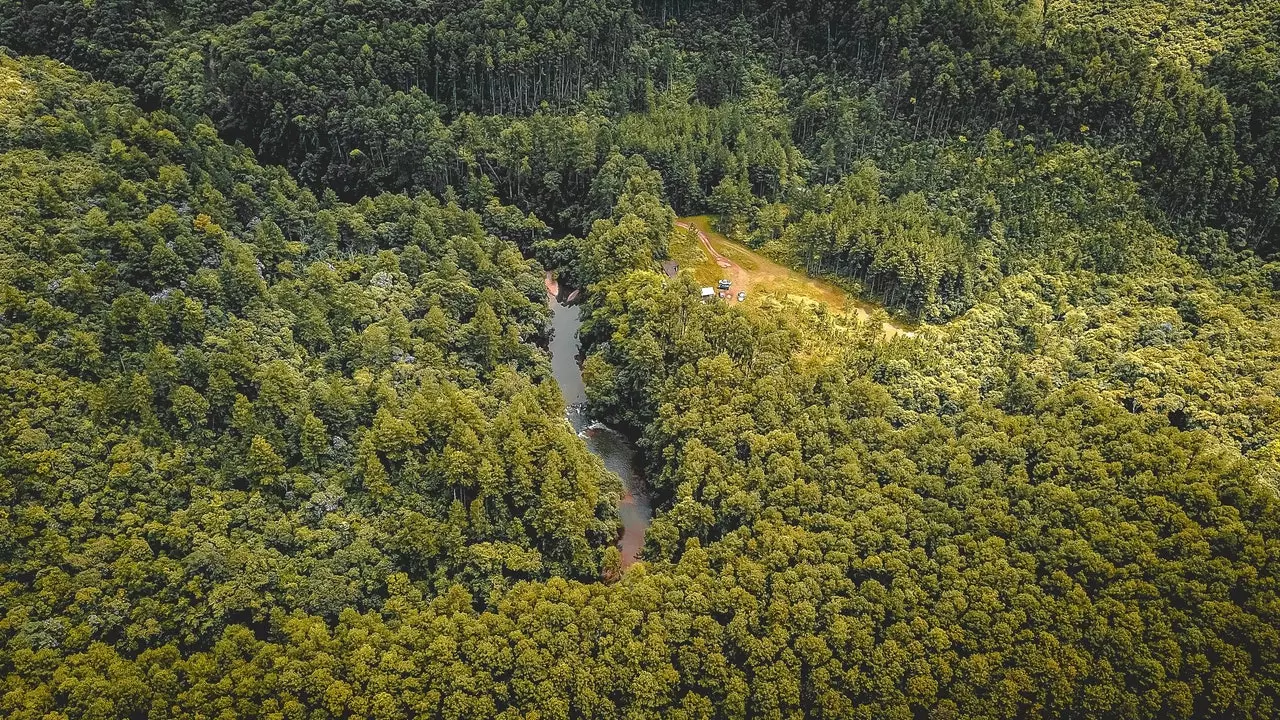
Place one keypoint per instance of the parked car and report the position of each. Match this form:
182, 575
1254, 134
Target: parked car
724, 284
742, 295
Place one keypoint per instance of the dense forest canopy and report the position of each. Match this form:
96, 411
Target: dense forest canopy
279, 435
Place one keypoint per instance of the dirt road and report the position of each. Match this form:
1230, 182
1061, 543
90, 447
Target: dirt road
721, 260
751, 272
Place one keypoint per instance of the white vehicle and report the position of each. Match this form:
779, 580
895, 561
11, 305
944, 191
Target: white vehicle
742, 295
708, 293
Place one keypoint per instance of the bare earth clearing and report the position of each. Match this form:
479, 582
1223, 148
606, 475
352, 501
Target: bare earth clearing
712, 256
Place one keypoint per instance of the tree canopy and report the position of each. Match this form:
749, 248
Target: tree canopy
279, 436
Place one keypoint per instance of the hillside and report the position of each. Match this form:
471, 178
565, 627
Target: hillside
225, 401
282, 432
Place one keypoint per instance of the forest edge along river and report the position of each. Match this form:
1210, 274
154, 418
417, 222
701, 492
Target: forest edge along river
619, 454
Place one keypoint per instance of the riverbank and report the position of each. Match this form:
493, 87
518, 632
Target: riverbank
619, 454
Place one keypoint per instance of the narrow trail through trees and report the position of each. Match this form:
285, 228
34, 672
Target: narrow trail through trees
721, 260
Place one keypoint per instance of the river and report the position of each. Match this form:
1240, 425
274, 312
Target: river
619, 454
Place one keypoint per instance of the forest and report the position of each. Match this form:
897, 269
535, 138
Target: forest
280, 436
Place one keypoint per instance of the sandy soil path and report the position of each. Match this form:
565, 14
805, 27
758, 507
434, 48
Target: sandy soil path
721, 260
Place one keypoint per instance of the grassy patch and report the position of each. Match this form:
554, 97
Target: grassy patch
758, 275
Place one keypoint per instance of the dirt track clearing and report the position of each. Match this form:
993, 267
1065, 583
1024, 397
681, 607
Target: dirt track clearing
716, 257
